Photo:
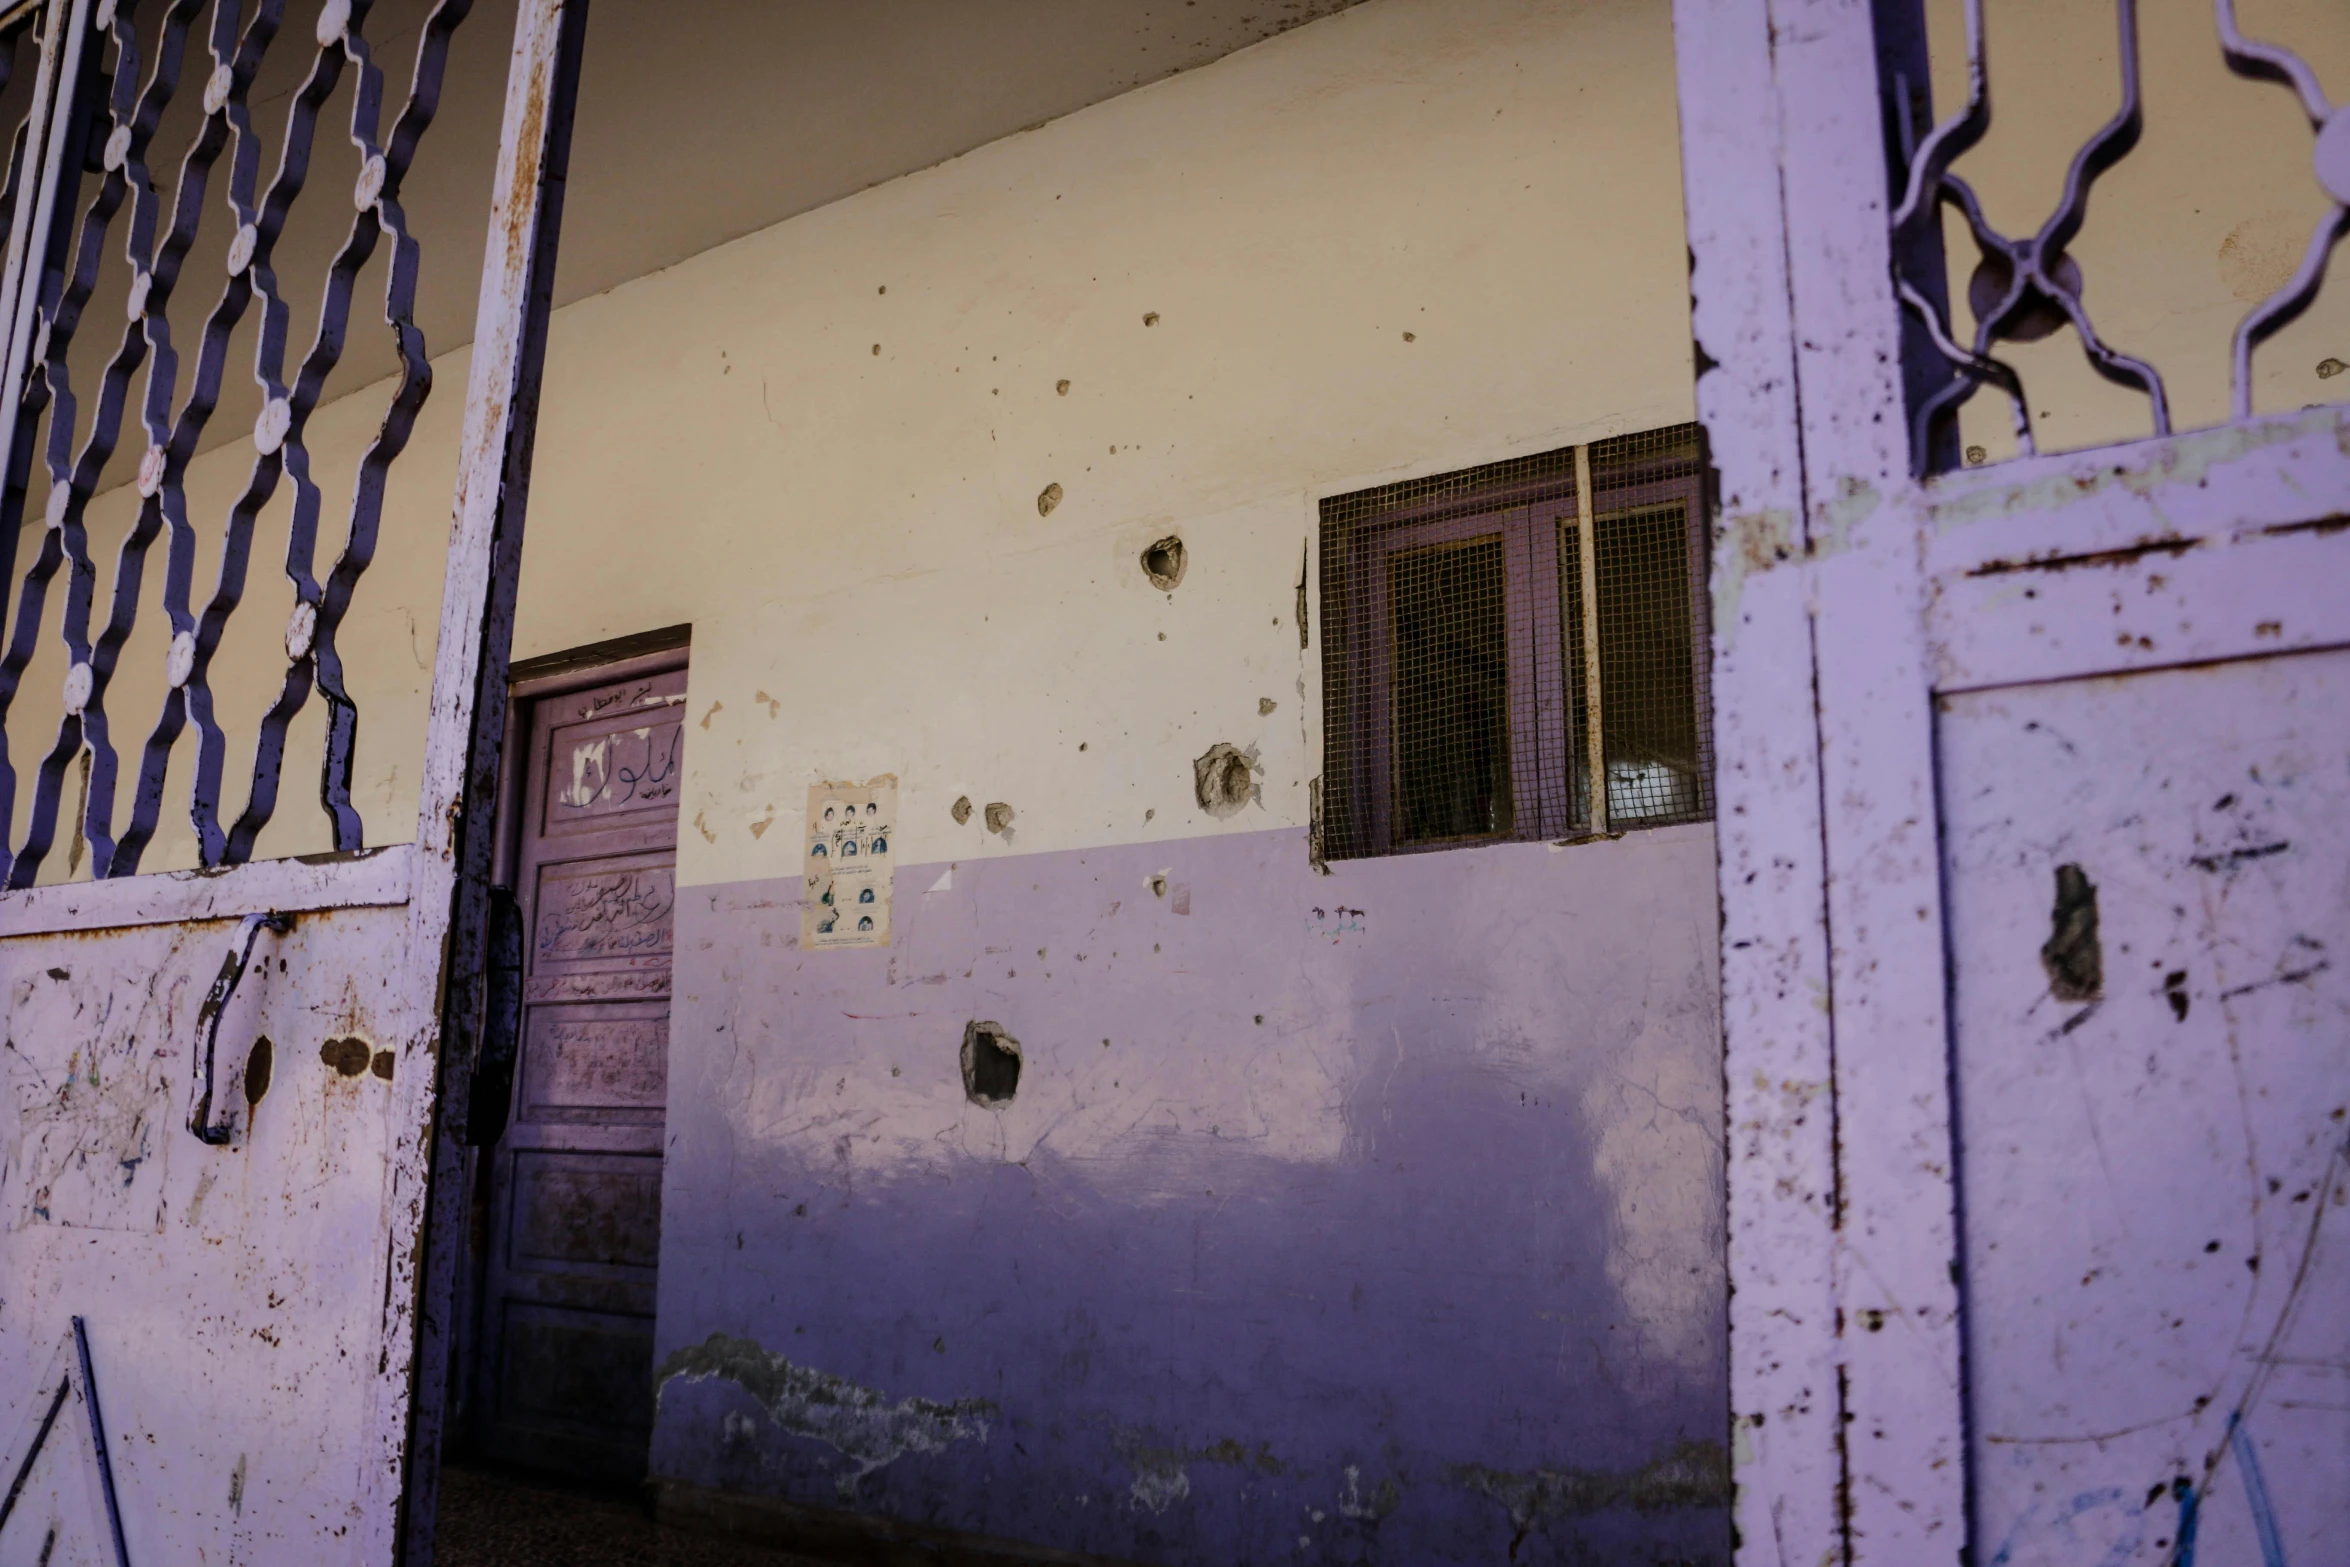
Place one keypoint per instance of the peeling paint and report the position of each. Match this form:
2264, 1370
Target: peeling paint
859, 1423
1855, 502
1160, 1476
1750, 542
1381, 1502
1693, 1474
1954, 501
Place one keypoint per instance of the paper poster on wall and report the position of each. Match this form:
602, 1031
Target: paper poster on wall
849, 855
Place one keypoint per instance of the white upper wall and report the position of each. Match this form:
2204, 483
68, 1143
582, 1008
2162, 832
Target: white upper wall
823, 444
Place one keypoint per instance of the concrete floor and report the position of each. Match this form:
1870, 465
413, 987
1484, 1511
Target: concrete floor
492, 1521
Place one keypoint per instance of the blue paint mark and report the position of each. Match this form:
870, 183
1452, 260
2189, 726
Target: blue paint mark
2116, 1554
2264, 1514
2190, 1514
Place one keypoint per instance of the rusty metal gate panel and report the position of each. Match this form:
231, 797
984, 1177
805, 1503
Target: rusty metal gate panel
221, 1106
2034, 878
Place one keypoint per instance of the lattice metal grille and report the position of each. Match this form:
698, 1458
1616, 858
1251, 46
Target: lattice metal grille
129, 78
1457, 689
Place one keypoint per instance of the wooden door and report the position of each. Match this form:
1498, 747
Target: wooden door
2033, 871
575, 1194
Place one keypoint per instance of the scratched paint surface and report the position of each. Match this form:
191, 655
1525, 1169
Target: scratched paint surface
1364, 1218
2158, 1247
233, 1294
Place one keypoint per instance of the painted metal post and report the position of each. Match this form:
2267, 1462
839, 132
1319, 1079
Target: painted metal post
1844, 1347
456, 820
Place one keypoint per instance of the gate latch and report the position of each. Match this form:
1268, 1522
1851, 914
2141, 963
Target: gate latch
224, 985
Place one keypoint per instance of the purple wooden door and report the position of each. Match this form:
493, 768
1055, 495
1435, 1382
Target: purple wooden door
575, 1185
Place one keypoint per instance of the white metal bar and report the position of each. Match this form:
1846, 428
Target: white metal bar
1785, 1437
1897, 1240
372, 878
2276, 593
1587, 568
459, 780
63, 38
2208, 484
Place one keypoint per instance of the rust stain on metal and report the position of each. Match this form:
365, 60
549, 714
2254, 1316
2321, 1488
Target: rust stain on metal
2122, 556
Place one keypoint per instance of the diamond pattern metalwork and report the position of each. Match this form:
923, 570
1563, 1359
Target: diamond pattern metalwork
171, 420
2027, 287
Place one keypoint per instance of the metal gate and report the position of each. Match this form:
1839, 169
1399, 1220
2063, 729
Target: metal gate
221, 1106
2035, 884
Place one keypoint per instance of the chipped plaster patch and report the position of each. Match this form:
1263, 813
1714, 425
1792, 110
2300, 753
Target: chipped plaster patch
1751, 542
1161, 1477
1976, 495
1692, 1474
859, 1423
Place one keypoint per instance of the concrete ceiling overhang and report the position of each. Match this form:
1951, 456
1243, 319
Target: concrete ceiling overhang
698, 123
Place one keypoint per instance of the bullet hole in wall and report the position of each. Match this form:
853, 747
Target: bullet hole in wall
347, 1056
961, 810
1150, 318
1062, 386
2328, 368
991, 1064
382, 1065
999, 816
1976, 456
257, 1066
2174, 990
1265, 706
1224, 779
1047, 499
1163, 563
2072, 955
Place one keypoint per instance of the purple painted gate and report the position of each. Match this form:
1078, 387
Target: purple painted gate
221, 1085
2032, 861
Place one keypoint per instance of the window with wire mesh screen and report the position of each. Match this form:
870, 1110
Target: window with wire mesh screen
1457, 652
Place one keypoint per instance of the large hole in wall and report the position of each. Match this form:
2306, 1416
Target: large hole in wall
1163, 563
991, 1064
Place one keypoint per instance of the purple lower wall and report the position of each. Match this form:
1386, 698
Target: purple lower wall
1372, 1217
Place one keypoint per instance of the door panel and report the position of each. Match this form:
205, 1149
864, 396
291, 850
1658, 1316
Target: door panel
594, 1064
2150, 1157
233, 1294
584, 1213
576, 1201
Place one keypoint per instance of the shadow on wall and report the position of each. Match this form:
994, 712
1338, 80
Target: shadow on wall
1391, 1237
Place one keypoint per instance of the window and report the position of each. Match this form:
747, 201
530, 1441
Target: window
1491, 644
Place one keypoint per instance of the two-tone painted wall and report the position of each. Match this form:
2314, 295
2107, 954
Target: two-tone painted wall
1369, 1216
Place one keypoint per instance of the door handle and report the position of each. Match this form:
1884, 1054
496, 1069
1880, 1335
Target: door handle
224, 985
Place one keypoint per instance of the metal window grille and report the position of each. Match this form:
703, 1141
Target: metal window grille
1463, 621
104, 218
2025, 287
